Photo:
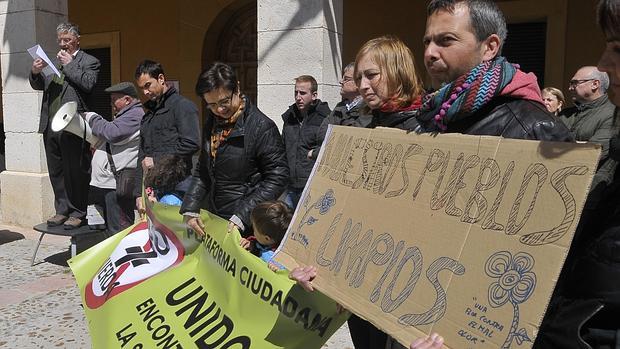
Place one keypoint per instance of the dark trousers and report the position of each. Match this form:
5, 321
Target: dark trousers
118, 213
68, 164
365, 335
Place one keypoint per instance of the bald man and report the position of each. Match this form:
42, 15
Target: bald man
591, 120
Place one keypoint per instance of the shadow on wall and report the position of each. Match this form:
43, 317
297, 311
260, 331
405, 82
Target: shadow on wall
303, 15
18, 67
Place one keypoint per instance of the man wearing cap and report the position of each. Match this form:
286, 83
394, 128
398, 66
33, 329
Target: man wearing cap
117, 157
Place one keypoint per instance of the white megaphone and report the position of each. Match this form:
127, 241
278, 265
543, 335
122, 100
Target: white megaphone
67, 119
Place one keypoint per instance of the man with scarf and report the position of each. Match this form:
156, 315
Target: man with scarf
479, 92
169, 127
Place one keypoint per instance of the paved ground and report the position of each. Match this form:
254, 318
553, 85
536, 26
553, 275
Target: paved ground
40, 305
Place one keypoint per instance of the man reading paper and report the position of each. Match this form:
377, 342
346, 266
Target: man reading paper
68, 156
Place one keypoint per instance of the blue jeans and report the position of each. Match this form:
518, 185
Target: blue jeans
292, 197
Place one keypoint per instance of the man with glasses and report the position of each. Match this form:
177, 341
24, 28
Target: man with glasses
169, 127
301, 123
347, 112
68, 155
591, 120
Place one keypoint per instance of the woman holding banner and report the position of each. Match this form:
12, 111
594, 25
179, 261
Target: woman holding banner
242, 162
387, 80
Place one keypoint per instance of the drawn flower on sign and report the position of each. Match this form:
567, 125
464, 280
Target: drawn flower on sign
323, 205
326, 202
515, 284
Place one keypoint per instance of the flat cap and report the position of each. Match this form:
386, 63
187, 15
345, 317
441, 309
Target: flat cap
126, 88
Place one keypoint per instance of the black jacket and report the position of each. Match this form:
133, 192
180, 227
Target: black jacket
250, 167
509, 118
169, 127
300, 135
361, 116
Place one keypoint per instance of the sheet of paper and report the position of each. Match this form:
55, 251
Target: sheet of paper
37, 52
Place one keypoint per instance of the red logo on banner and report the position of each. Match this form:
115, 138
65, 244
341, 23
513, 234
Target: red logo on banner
145, 251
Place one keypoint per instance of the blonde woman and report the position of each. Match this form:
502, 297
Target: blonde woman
553, 99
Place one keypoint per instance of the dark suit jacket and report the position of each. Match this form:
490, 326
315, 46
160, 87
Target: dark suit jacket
80, 79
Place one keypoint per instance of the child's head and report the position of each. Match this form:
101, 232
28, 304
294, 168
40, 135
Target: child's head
167, 172
270, 220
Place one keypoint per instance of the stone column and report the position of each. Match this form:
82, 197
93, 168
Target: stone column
25, 189
296, 38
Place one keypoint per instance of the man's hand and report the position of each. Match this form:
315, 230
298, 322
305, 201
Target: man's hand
304, 276
195, 224
147, 163
140, 207
64, 57
434, 341
38, 65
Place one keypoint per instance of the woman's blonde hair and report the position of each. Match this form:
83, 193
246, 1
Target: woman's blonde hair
396, 65
557, 93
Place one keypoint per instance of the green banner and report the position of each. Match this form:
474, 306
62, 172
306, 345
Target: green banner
155, 285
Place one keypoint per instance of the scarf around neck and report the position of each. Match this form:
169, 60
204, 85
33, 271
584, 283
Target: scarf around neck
473, 90
223, 127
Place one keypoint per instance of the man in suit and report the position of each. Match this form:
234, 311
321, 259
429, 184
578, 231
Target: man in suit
68, 156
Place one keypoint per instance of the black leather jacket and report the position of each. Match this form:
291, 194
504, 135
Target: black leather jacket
509, 118
250, 167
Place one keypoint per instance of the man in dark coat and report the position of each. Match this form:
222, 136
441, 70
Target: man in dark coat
68, 155
169, 127
300, 133
479, 92
347, 112
463, 60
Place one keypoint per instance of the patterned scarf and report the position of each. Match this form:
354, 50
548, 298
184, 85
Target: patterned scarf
223, 127
468, 93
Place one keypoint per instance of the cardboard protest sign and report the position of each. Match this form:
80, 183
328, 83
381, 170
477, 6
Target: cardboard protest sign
155, 285
460, 235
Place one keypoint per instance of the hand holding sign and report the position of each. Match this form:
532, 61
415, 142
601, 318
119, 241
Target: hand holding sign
38, 65
42, 63
434, 341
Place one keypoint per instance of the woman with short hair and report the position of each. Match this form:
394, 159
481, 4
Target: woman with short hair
242, 162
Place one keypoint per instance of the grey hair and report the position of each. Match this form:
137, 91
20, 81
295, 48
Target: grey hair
602, 77
68, 28
348, 66
485, 17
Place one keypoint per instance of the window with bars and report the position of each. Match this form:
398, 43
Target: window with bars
526, 45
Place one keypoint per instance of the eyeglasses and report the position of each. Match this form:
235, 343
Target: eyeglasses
574, 83
346, 79
221, 103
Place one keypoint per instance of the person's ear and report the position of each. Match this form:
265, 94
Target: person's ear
596, 84
161, 79
490, 47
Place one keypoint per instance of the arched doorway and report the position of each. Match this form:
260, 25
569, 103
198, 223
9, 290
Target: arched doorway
232, 38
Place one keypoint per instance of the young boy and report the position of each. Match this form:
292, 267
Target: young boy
270, 220
167, 181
